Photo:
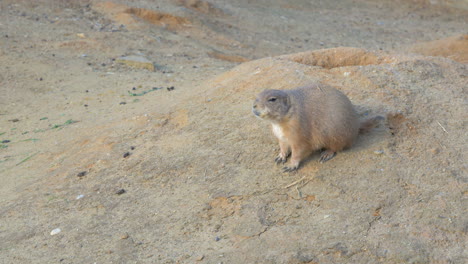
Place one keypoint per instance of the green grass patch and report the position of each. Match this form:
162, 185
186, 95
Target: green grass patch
29, 139
144, 92
68, 122
26, 159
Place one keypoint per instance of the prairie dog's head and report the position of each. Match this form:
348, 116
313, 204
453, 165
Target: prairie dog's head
271, 105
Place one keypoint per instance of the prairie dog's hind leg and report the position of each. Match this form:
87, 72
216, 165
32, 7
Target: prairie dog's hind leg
327, 155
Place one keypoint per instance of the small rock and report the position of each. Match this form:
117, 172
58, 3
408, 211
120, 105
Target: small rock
379, 152
81, 174
121, 191
55, 231
124, 236
81, 35
132, 148
122, 103
136, 62
6, 141
435, 151
217, 238
200, 258
126, 154
14, 120
79, 196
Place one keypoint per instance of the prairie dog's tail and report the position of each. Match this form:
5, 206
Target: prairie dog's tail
369, 124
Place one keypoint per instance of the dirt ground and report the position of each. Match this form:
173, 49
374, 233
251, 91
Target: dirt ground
103, 160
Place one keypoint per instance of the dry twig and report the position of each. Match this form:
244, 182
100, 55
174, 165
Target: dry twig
443, 128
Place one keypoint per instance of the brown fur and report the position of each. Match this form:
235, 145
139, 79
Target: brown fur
308, 119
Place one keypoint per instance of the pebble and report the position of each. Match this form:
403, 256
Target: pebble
121, 191
79, 196
55, 231
435, 151
379, 152
217, 238
6, 141
136, 62
200, 258
124, 236
81, 174
126, 154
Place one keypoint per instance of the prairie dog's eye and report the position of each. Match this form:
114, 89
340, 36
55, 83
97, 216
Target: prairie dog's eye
272, 99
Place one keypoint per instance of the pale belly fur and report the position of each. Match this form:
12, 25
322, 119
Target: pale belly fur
278, 132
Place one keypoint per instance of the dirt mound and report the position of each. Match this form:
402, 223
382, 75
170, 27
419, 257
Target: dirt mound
137, 18
339, 57
423, 101
201, 7
455, 48
129, 16
168, 21
226, 57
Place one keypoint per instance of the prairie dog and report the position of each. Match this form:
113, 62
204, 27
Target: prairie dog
308, 119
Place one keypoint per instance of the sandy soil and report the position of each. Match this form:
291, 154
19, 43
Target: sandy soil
101, 163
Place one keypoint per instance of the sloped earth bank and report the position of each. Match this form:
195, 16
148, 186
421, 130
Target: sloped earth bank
125, 170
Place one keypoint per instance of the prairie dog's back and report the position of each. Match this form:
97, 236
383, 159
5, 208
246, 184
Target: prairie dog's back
326, 115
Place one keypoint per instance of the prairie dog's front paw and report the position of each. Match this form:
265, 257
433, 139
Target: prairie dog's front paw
290, 169
282, 158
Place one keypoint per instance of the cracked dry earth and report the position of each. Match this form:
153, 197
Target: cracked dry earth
101, 163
